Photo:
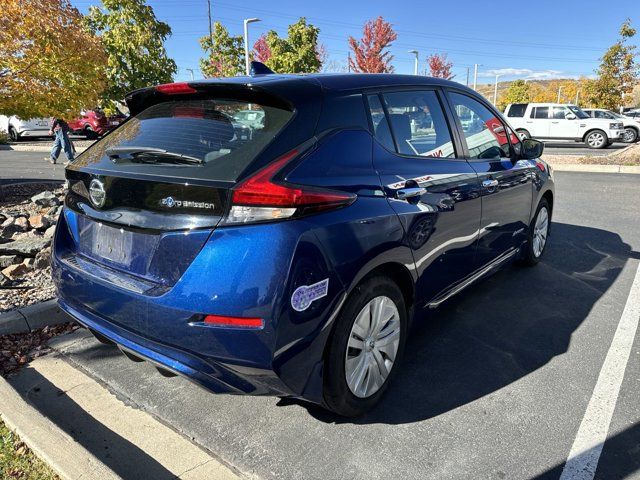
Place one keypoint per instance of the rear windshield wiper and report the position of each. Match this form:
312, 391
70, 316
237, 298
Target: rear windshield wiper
150, 155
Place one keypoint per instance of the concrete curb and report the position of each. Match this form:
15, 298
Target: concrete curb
56, 448
35, 148
571, 167
32, 317
82, 430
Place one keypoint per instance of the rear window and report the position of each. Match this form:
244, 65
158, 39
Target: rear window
517, 110
226, 135
540, 112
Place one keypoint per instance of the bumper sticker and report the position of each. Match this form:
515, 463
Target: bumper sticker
305, 295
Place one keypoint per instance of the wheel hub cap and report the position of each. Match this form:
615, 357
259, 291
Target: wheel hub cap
540, 231
372, 346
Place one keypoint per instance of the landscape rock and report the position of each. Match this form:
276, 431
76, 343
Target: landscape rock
6, 260
48, 233
39, 222
29, 262
25, 246
43, 259
8, 221
13, 272
46, 198
22, 223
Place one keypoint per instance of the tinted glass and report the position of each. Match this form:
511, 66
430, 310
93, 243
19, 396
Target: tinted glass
559, 113
418, 124
380, 124
485, 134
517, 110
208, 130
540, 112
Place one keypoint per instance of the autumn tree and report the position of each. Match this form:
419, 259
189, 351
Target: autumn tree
618, 71
440, 66
299, 52
261, 50
134, 40
50, 64
518, 91
224, 55
371, 53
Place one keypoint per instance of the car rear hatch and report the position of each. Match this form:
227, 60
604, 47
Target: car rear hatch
143, 200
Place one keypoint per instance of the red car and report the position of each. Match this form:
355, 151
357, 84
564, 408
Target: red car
91, 124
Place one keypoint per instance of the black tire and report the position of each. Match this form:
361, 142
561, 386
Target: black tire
523, 133
13, 135
596, 139
630, 135
90, 134
529, 257
337, 394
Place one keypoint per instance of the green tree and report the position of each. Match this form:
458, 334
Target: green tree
518, 92
134, 41
224, 56
618, 72
299, 52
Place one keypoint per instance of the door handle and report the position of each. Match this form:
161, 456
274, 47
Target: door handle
490, 183
405, 193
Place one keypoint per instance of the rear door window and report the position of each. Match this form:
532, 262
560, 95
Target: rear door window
379, 122
540, 112
221, 136
418, 124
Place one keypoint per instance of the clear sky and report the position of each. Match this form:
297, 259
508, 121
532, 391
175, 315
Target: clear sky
533, 39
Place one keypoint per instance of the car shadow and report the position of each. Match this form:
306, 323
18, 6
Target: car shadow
121, 456
499, 330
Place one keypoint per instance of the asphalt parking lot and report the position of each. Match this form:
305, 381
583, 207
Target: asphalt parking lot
575, 148
495, 383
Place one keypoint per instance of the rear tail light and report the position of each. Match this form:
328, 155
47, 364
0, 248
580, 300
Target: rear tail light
233, 322
261, 198
177, 88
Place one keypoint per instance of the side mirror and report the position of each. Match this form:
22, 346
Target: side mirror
531, 149
570, 116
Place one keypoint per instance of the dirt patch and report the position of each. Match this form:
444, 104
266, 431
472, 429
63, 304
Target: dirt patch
627, 156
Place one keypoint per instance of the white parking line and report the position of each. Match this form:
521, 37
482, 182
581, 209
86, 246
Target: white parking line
587, 447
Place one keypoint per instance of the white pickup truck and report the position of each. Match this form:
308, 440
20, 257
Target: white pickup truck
562, 122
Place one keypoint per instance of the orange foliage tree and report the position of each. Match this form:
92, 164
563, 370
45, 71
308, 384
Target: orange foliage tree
440, 66
50, 65
371, 54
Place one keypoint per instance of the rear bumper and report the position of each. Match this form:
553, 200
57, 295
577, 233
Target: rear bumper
214, 377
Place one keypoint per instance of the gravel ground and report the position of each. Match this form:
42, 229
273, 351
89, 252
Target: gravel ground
25, 279
627, 156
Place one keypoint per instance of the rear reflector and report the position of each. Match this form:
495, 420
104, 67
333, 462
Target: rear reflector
237, 322
177, 88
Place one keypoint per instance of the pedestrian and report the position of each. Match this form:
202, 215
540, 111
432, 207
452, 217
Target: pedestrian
60, 129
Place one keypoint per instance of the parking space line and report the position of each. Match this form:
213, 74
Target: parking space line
588, 444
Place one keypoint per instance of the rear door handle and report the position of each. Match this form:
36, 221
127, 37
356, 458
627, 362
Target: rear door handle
405, 193
491, 183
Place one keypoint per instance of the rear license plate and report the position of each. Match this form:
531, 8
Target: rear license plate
110, 243
41, 123
114, 124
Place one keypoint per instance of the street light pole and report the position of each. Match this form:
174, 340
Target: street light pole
190, 70
475, 75
415, 66
495, 91
559, 90
247, 21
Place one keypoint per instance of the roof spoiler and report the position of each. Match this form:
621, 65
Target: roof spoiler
259, 68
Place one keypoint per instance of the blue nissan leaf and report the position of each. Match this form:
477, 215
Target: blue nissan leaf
284, 254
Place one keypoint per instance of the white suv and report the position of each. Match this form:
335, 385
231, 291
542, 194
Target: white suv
561, 122
631, 125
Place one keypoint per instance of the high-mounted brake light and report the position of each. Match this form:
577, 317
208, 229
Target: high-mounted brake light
177, 88
237, 322
260, 198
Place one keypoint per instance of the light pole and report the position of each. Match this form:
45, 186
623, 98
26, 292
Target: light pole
190, 70
559, 90
247, 21
495, 91
475, 74
415, 66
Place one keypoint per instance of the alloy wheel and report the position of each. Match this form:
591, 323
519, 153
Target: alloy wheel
629, 135
372, 346
596, 140
540, 231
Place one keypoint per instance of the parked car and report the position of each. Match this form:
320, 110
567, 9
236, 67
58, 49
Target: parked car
91, 124
560, 122
250, 118
19, 129
631, 126
290, 264
116, 120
